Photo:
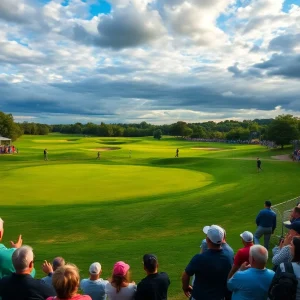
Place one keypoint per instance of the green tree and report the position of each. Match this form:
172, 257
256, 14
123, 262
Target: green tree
283, 130
157, 134
8, 128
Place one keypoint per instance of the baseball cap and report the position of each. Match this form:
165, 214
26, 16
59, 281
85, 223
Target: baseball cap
150, 261
247, 236
121, 268
95, 268
215, 233
294, 226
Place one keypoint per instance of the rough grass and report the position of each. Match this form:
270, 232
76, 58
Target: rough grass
119, 208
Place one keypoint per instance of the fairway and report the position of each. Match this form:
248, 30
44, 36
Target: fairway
121, 207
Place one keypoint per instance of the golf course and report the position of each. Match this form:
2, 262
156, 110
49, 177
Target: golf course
136, 199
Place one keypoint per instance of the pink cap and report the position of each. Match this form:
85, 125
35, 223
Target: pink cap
121, 268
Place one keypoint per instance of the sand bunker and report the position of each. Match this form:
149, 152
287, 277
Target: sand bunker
104, 149
208, 149
285, 157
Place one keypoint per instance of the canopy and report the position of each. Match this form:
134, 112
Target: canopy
4, 139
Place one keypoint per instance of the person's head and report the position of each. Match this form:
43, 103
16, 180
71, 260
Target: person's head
150, 263
295, 249
258, 256
22, 260
1, 228
258, 158
58, 262
120, 274
95, 271
294, 228
247, 238
65, 281
295, 212
268, 204
214, 236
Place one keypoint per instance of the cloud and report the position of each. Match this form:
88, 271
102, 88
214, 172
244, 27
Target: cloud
285, 43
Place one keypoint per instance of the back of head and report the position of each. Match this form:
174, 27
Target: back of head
120, 274
268, 203
66, 280
58, 262
150, 262
259, 254
215, 236
22, 258
296, 212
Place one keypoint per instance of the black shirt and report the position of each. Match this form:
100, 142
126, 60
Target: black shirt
258, 163
153, 287
24, 287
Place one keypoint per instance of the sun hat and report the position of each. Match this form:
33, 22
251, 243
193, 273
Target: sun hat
247, 236
121, 268
95, 268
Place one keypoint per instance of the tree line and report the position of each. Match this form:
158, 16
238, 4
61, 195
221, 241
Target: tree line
282, 129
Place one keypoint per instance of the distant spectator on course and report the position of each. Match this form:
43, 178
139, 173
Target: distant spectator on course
94, 286
211, 269
258, 164
155, 285
49, 269
120, 287
266, 224
20, 285
253, 280
242, 255
45, 154
66, 283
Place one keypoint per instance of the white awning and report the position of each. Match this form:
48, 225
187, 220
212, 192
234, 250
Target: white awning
4, 139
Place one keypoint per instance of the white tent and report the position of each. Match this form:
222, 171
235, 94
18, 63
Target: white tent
4, 139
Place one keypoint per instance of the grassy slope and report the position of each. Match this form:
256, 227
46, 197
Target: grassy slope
142, 218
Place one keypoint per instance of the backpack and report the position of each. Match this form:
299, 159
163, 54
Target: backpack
284, 284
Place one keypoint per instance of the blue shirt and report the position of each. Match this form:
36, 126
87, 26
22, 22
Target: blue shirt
251, 284
211, 269
227, 249
266, 218
94, 288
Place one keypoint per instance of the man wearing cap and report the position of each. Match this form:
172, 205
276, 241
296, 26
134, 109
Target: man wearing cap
211, 269
254, 279
94, 286
49, 269
155, 285
243, 254
266, 224
282, 253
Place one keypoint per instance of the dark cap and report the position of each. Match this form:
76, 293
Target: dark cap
294, 226
268, 203
150, 262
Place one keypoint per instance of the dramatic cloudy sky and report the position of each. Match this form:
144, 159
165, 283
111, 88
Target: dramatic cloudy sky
64, 61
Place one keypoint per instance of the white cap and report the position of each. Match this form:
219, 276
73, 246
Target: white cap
95, 268
215, 233
247, 236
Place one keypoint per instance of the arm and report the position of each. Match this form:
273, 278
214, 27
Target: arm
258, 219
274, 223
283, 255
186, 284
233, 270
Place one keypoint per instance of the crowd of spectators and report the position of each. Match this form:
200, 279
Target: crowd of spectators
296, 155
215, 273
7, 149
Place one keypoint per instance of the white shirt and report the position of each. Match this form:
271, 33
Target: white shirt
126, 293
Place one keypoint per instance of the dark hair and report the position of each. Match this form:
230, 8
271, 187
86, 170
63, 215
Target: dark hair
296, 242
118, 280
150, 262
268, 203
297, 210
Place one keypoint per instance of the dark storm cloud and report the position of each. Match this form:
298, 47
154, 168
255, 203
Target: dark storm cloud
238, 73
285, 42
281, 65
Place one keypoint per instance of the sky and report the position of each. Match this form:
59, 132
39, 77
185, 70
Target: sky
159, 61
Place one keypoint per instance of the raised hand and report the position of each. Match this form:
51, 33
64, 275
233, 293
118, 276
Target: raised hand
18, 244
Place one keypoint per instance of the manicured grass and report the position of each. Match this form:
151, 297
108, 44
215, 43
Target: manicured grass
119, 208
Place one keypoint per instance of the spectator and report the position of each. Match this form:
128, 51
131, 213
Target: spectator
20, 285
253, 280
295, 214
66, 283
155, 285
120, 288
266, 224
211, 269
57, 262
6, 265
227, 249
94, 286
295, 251
282, 253
243, 254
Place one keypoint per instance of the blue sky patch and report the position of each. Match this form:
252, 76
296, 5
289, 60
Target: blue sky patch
102, 7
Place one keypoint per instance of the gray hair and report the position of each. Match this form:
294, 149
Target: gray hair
22, 257
58, 262
1, 224
259, 253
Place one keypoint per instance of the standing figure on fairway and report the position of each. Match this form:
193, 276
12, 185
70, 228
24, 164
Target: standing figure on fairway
258, 164
98, 155
45, 154
266, 224
177, 153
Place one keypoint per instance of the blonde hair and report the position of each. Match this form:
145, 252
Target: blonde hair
66, 281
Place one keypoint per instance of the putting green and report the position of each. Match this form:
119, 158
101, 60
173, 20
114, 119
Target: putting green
80, 183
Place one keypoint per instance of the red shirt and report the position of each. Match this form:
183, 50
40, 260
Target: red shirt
77, 297
242, 255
